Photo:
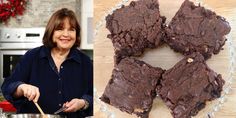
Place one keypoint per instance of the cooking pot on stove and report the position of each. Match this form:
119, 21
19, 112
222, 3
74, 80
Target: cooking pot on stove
33, 116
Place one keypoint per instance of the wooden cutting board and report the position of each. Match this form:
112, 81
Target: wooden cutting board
163, 57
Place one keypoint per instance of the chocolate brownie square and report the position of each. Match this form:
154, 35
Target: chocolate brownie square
196, 29
132, 87
187, 86
135, 27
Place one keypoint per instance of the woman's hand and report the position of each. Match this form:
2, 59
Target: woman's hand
74, 105
29, 91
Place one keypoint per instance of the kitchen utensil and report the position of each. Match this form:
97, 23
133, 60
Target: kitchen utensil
34, 116
39, 108
60, 110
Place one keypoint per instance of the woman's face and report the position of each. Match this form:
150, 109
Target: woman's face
65, 36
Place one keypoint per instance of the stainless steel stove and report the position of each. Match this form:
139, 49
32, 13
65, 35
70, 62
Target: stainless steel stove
14, 42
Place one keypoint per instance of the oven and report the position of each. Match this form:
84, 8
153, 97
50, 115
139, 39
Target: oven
14, 43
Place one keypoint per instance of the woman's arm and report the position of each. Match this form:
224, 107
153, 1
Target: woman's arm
14, 86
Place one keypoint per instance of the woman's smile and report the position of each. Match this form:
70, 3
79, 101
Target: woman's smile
65, 40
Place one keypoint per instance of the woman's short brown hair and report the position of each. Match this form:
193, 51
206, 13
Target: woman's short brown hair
56, 21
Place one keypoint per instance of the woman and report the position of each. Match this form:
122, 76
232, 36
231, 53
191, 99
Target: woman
54, 75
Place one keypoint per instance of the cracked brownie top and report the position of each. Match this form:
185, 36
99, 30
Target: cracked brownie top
132, 86
135, 27
188, 85
196, 29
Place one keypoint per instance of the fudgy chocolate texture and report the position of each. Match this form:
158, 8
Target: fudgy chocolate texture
135, 27
196, 29
187, 86
132, 87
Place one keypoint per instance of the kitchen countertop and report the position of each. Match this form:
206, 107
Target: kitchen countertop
165, 58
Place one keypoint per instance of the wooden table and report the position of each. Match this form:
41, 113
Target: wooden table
164, 57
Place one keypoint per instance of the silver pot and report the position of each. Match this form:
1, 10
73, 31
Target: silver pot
33, 116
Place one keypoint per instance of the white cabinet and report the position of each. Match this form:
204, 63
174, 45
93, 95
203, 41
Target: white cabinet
86, 24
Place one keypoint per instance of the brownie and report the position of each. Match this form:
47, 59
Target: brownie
135, 27
187, 86
196, 29
132, 87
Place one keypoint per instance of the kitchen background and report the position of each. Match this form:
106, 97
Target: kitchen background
37, 14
